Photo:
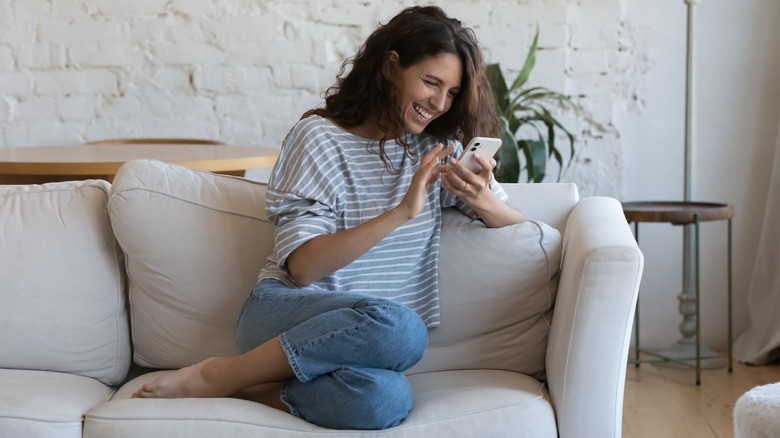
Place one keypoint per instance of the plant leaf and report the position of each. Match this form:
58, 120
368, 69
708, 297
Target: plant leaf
509, 162
552, 150
572, 150
528, 65
498, 83
529, 110
536, 158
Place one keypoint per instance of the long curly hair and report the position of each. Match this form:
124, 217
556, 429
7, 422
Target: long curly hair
364, 93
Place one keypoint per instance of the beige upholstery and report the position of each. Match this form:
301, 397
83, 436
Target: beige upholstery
539, 351
194, 243
62, 282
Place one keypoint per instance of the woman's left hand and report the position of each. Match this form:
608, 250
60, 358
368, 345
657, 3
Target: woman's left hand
465, 183
474, 189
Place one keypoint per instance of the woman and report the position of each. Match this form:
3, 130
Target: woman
343, 305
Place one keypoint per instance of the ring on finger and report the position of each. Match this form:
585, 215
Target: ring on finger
465, 187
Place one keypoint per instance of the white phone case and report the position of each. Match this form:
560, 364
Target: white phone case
487, 147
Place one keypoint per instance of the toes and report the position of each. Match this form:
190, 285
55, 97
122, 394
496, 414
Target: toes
144, 392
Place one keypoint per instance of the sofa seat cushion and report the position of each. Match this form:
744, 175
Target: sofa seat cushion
63, 305
497, 289
194, 243
450, 403
46, 404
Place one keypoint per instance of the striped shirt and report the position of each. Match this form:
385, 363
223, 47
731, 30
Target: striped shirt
327, 180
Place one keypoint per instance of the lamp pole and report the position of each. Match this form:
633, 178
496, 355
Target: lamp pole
685, 348
690, 128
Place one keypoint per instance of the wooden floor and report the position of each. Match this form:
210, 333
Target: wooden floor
664, 402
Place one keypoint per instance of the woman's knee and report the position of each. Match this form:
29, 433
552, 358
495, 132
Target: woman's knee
386, 403
350, 398
415, 333
402, 330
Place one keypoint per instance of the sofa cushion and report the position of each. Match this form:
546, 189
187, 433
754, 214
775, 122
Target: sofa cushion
63, 299
472, 403
497, 289
47, 404
194, 243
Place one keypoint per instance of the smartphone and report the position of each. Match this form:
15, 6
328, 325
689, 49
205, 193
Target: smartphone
486, 147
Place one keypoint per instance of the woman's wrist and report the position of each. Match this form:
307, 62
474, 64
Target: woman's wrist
399, 214
495, 212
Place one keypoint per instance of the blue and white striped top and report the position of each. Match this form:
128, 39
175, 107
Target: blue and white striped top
327, 180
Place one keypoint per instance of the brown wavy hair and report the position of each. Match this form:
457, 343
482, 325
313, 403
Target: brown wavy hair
364, 93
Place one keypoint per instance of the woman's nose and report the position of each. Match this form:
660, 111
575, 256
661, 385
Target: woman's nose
439, 101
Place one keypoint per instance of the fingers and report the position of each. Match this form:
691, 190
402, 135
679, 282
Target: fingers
454, 183
466, 183
435, 155
446, 151
431, 161
427, 174
430, 155
484, 163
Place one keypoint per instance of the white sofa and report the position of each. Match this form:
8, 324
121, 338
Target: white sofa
103, 287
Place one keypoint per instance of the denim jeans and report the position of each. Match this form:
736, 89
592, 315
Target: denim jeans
348, 352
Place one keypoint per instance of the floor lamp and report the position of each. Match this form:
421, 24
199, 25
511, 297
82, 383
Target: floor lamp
685, 347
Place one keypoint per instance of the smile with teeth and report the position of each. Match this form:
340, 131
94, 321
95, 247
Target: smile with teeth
424, 114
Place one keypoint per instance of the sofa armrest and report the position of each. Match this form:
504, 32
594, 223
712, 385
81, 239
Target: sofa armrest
587, 350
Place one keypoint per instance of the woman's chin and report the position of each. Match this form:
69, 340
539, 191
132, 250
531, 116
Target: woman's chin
416, 126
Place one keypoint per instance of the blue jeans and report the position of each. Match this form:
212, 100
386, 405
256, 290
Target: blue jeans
348, 352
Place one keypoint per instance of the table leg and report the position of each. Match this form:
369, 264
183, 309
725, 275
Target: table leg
636, 314
698, 302
731, 334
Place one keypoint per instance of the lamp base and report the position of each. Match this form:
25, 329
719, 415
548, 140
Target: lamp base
683, 355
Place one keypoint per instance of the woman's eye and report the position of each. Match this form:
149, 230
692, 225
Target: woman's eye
429, 83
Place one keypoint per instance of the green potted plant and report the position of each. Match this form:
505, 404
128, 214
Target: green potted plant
520, 107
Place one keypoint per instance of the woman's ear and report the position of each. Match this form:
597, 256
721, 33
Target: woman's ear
392, 57
390, 64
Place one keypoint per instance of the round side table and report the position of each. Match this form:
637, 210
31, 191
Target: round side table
685, 213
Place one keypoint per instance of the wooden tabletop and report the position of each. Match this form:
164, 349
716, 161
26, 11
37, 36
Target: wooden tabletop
56, 163
676, 212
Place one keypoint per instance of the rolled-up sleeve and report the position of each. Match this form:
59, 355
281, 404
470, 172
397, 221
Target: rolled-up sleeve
302, 198
297, 221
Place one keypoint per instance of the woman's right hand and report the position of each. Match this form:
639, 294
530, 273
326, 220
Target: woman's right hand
427, 174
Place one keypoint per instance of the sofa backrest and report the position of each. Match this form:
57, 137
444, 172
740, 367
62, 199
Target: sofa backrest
498, 285
62, 295
550, 203
194, 243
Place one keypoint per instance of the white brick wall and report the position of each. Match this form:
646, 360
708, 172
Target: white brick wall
243, 71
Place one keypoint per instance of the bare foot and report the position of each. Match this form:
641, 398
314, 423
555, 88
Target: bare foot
193, 381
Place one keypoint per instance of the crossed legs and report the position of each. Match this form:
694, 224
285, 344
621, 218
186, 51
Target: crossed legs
334, 359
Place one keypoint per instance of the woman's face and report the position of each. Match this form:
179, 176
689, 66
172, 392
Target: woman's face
426, 89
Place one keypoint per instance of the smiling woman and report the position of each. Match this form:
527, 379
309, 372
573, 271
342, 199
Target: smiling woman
426, 90
419, 56
342, 307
